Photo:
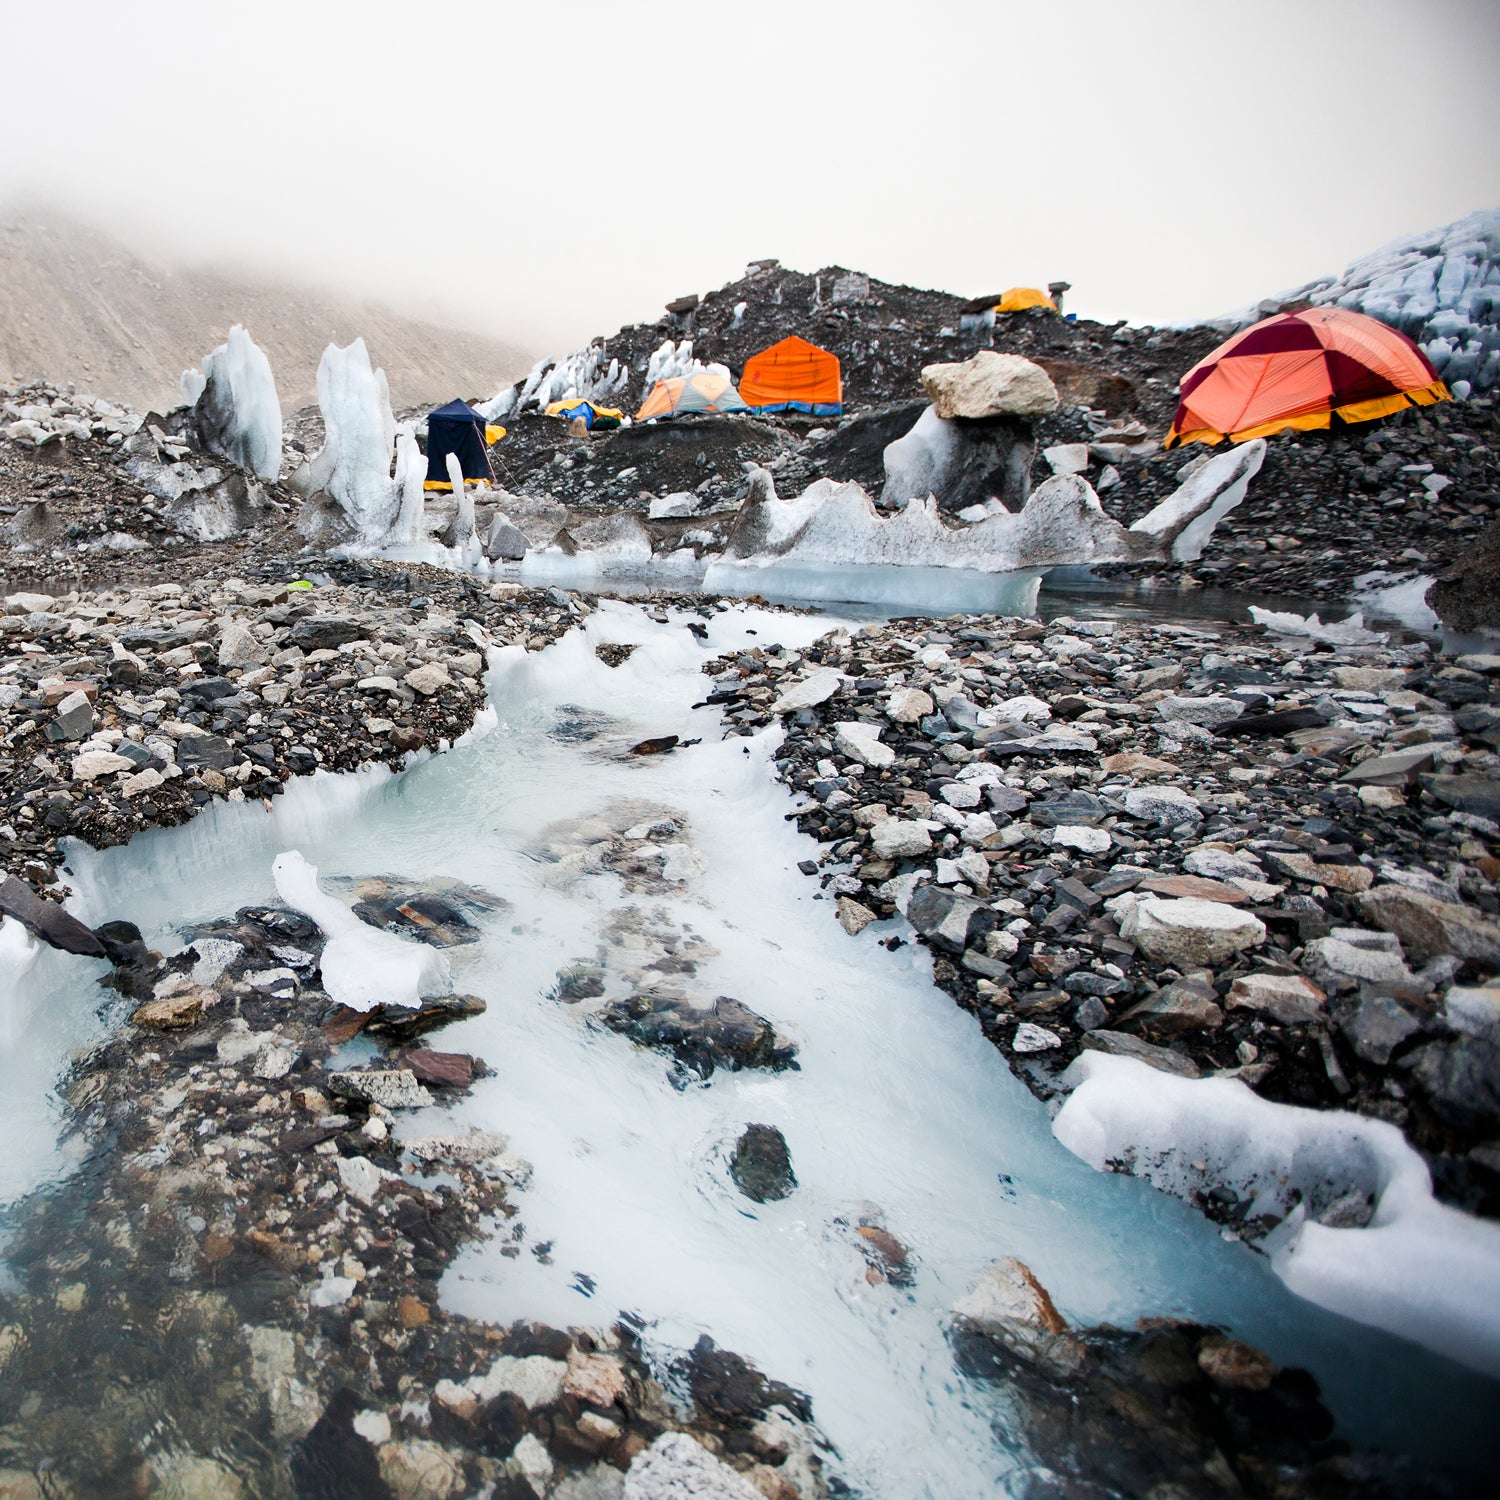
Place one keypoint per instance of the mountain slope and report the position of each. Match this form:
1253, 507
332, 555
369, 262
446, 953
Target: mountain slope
76, 305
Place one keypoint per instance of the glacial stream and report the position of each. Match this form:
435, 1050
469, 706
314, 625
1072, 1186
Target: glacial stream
898, 1114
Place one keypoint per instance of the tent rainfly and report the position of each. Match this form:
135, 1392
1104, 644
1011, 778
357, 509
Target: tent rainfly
1298, 371
1019, 298
793, 375
457, 428
703, 394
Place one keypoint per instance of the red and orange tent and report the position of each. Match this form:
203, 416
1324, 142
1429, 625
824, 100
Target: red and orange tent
702, 394
794, 376
1299, 370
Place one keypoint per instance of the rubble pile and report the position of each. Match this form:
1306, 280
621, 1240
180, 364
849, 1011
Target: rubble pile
1212, 850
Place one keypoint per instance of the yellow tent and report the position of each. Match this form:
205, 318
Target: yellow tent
1019, 298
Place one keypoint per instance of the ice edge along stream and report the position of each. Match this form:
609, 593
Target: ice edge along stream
899, 1105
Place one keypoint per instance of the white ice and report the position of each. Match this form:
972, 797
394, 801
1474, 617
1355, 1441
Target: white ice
237, 410
1419, 1269
1203, 499
1398, 597
354, 464
363, 966
1349, 632
411, 476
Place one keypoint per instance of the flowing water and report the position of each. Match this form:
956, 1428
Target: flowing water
899, 1114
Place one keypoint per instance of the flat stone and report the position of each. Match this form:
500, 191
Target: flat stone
1165, 804
1075, 808
861, 742
1348, 878
171, 1013
1194, 887
1122, 1044
1085, 840
47, 920
1190, 933
448, 1070
1134, 763
1471, 794
1430, 928
1287, 998
818, 687
1368, 679
1031, 1038
90, 765
323, 632
1376, 1025
1336, 961
1399, 769
1206, 712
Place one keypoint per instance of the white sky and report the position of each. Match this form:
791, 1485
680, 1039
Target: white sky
549, 171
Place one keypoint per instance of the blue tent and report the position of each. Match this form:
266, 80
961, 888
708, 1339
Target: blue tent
455, 428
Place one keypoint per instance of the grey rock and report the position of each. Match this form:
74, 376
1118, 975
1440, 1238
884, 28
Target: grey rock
1187, 1004
1429, 928
1375, 1025
325, 632
1461, 1080
391, 1088
949, 921
1121, 1044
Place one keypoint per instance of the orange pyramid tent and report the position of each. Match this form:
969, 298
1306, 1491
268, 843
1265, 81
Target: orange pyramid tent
1299, 370
703, 394
794, 376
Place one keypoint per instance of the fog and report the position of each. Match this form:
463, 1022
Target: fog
548, 172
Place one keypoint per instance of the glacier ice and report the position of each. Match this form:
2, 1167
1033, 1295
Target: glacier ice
1419, 1269
236, 413
354, 465
362, 966
582, 375
411, 475
1062, 523
1441, 288
1350, 632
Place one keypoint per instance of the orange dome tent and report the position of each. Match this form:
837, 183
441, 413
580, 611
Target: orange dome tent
686, 395
793, 376
1300, 370
1019, 298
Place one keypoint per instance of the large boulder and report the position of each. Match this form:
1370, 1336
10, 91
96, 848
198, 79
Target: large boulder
990, 385
1191, 933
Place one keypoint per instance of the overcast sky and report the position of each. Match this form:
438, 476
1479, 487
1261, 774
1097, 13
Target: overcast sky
551, 171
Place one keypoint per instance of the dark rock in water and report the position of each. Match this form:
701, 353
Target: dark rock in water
325, 632
730, 1389
444, 1070
396, 1023
725, 1034
440, 911
580, 982
122, 942
762, 1166
48, 921
658, 746
947, 920
333, 1462
577, 726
